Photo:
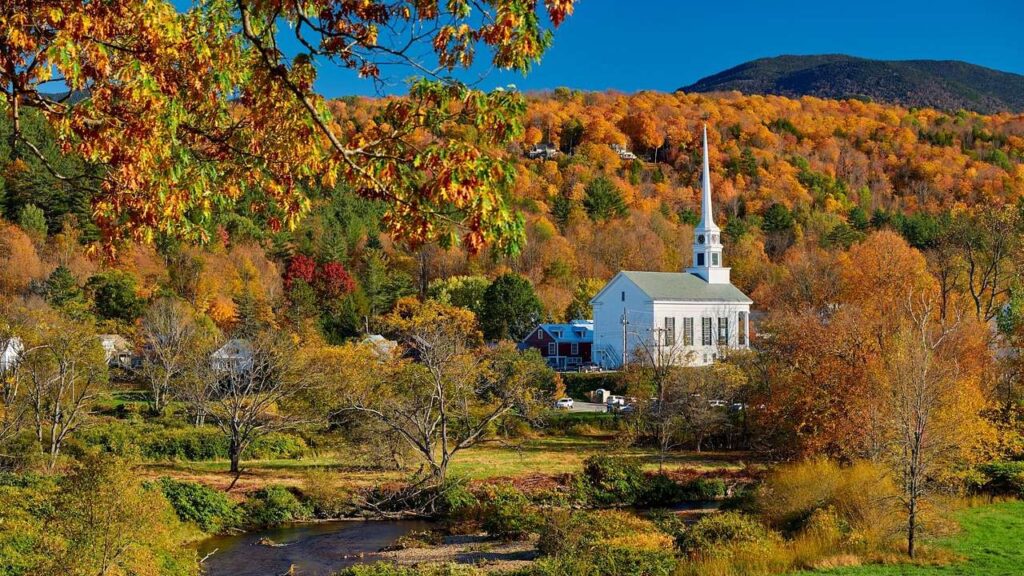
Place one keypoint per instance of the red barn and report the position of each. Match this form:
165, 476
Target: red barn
564, 346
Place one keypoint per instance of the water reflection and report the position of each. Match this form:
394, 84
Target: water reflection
313, 549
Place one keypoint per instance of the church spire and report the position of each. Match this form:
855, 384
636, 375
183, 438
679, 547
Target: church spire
707, 239
707, 220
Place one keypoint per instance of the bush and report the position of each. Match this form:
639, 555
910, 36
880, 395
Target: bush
607, 542
323, 495
608, 480
660, 490
703, 489
581, 423
274, 505
715, 534
861, 495
1003, 478
579, 384
456, 499
509, 514
156, 442
209, 509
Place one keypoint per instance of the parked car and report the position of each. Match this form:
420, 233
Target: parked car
589, 368
564, 404
717, 403
614, 403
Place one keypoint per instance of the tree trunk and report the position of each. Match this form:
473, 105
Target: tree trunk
235, 453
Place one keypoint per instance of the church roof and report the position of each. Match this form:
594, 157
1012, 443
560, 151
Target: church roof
684, 286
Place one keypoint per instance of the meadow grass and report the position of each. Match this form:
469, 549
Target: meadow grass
991, 543
491, 459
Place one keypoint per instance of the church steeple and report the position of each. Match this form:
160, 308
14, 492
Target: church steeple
707, 217
707, 244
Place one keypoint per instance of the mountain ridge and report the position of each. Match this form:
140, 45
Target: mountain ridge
943, 84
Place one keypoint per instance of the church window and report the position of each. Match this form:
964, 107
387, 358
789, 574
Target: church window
623, 295
714, 258
700, 259
723, 331
742, 329
700, 239
670, 331
714, 238
705, 329
574, 349
687, 331
552, 349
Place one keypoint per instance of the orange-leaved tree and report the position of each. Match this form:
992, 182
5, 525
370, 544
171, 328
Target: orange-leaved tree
187, 111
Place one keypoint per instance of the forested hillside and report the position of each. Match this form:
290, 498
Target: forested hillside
944, 84
806, 172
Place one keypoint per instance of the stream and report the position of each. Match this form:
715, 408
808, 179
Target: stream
318, 549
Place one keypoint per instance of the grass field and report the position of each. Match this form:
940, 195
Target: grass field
544, 456
991, 543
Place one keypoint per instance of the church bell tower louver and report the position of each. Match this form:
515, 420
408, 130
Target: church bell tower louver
707, 238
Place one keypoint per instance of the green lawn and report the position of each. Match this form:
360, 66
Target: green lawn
992, 543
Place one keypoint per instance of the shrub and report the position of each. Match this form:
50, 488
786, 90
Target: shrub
209, 509
716, 533
274, 505
861, 495
703, 489
456, 499
609, 480
156, 442
564, 531
579, 384
1003, 478
607, 542
323, 495
581, 423
509, 514
659, 489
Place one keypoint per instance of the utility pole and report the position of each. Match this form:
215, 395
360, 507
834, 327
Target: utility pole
625, 327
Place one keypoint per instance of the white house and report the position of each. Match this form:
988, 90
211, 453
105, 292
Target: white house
235, 355
117, 350
10, 353
687, 317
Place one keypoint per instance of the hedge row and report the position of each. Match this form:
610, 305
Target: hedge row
579, 384
155, 442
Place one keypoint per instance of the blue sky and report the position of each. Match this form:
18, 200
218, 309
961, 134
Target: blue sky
631, 45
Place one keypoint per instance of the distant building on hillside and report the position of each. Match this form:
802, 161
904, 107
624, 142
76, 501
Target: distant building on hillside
564, 346
623, 152
117, 351
234, 356
542, 151
686, 317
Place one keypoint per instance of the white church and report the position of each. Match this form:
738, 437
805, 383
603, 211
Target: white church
687, 317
